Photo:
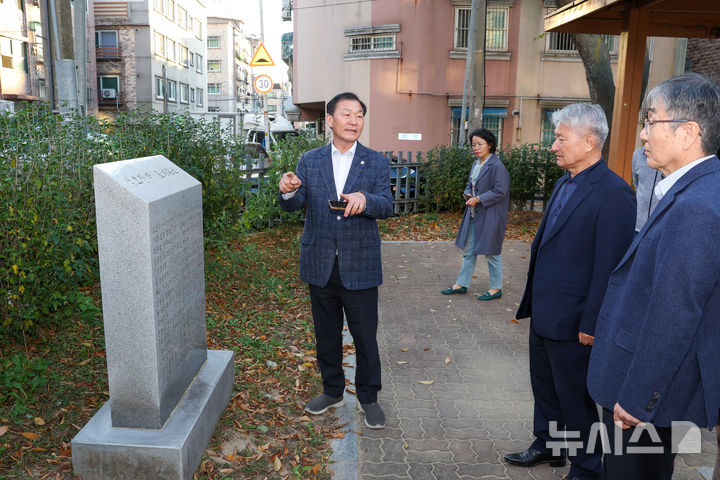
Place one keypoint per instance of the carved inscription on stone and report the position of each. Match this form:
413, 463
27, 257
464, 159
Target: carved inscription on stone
177, 257
149, 175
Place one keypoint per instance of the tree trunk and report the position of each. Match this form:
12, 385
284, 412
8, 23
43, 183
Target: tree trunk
596, 59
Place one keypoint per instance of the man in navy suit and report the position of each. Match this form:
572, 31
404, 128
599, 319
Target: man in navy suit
586, 229
340, 251
657, 356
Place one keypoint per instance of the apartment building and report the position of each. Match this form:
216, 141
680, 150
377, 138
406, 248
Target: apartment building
229, 77
406, 59
22, 69
150, 54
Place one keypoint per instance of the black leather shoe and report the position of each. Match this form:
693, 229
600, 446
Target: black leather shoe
531, 457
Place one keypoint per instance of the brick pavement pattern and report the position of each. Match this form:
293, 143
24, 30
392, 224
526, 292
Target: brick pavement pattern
479, 405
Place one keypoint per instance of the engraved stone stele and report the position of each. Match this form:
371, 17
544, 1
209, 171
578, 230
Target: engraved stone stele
167, 390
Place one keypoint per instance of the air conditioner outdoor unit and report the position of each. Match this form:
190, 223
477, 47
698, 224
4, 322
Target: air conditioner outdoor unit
7, 106
109, 93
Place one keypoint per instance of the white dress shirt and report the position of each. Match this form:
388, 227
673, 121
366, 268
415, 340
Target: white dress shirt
666, 183
341, 163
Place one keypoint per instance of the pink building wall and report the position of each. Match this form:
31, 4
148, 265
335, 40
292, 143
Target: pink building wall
411, 94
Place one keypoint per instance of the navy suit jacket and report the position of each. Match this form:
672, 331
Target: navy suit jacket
657, 345
570, 263
355, 238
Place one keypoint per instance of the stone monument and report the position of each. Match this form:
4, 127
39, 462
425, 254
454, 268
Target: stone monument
167, 391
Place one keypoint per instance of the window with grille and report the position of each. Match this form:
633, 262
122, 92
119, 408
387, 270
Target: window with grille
496, 28
547, 129
182, 17
184, 93
106, 38
159, 44
213, 88
172, 90
494, 124
562, 42
170, 50
159, 88
213, 42
372, 43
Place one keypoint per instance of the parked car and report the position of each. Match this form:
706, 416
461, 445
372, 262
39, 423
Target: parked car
404, 177
254, 156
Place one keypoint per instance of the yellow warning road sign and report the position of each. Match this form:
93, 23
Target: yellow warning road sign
261, 58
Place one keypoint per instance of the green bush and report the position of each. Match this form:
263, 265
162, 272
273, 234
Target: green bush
533, 172
444, 174
48, 245
47, 220
261, 206
532, 168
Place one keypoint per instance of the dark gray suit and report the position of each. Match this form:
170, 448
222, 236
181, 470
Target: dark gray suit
340, 259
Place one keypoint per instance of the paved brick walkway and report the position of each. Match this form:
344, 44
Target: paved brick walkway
479, 404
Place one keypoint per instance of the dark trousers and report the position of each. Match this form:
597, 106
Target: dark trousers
361, 311
716, 472
558, 375
634, 465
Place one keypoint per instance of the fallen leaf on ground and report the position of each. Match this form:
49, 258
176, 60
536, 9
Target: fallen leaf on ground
3, 430
39, 421
402, 362
30, 435
515, 321
447, 360
277, 464
404, 349
426, 382
405, 445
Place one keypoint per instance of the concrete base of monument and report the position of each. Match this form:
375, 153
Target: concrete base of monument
101, 451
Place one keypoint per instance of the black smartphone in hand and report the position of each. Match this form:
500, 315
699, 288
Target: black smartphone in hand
466, 196
337, 204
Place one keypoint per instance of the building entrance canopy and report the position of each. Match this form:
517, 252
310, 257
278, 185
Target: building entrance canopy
634, 21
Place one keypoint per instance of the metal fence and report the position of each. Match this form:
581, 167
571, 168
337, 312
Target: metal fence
405, 180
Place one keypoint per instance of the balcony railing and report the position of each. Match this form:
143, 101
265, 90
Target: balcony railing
108, 52
109, 96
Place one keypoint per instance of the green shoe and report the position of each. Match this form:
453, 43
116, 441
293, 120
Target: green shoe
490, 296
450, 290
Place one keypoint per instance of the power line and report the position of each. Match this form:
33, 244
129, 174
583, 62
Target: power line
333, 5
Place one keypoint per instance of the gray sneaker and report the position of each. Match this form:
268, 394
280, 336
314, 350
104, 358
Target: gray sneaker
374, 416
322, 403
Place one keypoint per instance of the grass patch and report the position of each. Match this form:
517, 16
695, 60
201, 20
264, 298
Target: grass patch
258, 307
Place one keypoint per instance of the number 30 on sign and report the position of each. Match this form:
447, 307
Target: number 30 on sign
263, 84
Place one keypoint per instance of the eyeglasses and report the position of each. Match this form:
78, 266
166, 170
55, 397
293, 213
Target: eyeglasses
647, 123
478, 145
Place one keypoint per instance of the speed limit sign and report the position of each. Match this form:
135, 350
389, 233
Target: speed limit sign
263, 84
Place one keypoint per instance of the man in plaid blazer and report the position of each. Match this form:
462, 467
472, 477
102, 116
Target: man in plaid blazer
340, 251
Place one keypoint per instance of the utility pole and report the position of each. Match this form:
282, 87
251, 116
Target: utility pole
165, 90
474, 87
265, 102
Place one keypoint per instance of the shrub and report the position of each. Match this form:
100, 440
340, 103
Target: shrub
445, 174
48, 245
533, 173
261, 206
47, 233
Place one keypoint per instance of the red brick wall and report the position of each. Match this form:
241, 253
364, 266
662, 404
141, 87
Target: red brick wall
703, 56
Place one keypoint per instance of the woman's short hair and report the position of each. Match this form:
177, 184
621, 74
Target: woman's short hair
486, 135
587, 116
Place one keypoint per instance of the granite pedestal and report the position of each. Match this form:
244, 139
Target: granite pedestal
167, 390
